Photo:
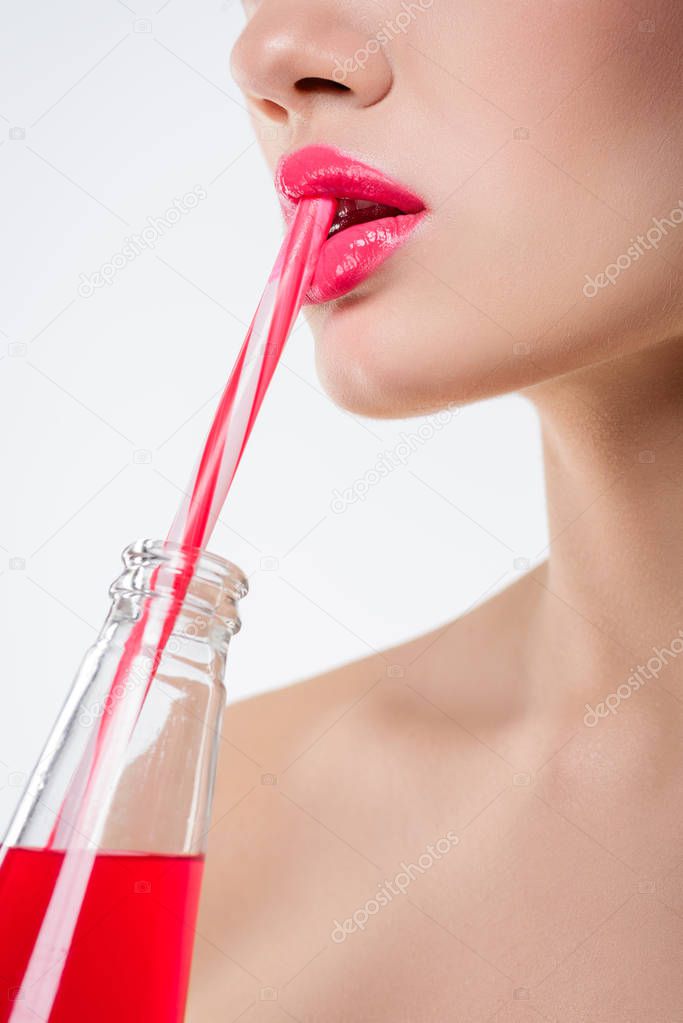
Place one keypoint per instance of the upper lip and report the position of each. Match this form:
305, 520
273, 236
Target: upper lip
323, 170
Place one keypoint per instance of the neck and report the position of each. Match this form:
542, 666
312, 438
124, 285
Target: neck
613, 441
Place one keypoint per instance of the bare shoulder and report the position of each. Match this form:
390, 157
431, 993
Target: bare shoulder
275, 728
320, 785
456, 667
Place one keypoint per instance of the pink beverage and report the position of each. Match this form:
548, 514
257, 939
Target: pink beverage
129, 960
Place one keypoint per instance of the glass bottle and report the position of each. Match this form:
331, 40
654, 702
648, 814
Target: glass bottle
97, 912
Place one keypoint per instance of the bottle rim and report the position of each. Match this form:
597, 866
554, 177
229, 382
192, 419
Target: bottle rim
206, 565
152, 566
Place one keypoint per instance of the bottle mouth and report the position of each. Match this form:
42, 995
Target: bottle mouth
152, 568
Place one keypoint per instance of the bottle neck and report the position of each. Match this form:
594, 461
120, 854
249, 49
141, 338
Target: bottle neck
151, 729
194, 592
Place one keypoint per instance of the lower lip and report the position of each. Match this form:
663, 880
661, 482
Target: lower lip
349, 257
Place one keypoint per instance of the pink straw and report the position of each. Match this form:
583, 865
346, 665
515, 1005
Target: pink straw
249, 380
81, 818
280, 303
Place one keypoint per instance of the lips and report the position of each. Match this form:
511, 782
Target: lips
375, 215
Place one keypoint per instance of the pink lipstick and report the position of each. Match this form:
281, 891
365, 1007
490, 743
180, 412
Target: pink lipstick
375, 215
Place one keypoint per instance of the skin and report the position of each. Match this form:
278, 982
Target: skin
562, 898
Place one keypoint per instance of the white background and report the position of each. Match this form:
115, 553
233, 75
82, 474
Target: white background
106, 115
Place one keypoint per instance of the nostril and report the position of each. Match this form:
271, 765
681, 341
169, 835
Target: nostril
271, 111
320, 85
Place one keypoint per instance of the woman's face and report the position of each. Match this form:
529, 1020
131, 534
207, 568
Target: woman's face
544, 138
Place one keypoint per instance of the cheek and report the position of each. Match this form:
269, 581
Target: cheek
520, 240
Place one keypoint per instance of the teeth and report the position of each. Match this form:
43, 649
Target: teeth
356, 204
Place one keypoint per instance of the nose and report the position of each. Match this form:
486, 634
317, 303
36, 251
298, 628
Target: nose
294, 54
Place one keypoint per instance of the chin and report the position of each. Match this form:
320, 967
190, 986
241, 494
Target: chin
408, 344
397, 351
